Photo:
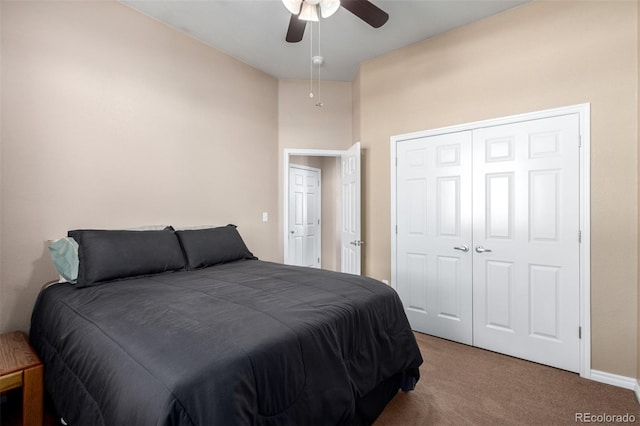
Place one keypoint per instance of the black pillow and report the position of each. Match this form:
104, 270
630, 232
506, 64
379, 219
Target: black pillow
108, 255
210, 246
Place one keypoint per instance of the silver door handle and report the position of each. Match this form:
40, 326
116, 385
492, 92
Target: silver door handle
357, 242
481, 249
462, 248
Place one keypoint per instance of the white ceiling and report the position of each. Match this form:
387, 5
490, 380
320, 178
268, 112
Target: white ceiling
253, 31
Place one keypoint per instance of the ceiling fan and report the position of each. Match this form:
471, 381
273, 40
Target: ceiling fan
307, 10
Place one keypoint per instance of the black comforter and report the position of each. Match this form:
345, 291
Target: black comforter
248, 342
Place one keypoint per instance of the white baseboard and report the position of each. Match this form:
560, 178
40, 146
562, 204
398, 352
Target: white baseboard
616, 380
636, 390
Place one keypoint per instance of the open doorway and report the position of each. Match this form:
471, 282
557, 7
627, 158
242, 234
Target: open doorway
340, 244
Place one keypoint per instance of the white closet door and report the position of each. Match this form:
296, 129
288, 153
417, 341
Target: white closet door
434, 234
525, 240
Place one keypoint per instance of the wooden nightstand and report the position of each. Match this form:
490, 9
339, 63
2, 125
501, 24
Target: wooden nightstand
21, 367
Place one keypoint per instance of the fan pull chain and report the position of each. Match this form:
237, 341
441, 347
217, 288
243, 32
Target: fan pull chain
319, 104
315, 60
311, 62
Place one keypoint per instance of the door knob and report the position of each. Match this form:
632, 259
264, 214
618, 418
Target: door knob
481, 249
462, 248
357, 242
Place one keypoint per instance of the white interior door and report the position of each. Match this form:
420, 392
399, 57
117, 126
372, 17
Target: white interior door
526, 240
351, 244
434, 234
304, 216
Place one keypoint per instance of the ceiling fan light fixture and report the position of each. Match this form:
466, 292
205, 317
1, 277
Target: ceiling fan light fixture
329, 7
309, 12
292, 6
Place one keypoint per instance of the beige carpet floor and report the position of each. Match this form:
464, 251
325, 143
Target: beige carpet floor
462, 385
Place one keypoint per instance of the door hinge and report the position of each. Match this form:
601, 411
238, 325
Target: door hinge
579, 332
396, 161
580, 236
318, 221
396, 229
579, 141
318, 260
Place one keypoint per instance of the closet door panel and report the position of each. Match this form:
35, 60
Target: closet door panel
525, 240
434, 217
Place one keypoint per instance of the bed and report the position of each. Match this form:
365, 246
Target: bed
188, 327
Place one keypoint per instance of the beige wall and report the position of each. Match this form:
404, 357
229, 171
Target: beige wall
111, 119
302, 125
638, 128
538, 56
331, 208
355, 111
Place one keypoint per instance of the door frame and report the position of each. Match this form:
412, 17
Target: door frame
318, 205
288, 152
584, 119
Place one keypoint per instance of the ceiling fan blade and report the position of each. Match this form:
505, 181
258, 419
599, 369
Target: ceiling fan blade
296, 29
367, 11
